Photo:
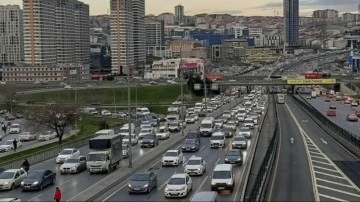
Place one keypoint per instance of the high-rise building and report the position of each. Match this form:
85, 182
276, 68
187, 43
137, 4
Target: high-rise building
56, 31
155, 34
11, 35
179, 14
127, 35
291, 22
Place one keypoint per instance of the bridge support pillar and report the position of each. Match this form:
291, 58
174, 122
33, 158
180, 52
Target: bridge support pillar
293, 89
248, 89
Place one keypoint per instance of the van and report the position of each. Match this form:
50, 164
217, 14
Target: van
222, 178
205, 196
105, 132
207, 126
142, 111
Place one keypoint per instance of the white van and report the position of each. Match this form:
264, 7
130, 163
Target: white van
198, 107
222, 178
105, 132
142, 111
207, 126
208, 196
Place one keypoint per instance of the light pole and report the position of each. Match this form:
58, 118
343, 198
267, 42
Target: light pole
129, 108
205, 93
136, 102
182, 99
114, 98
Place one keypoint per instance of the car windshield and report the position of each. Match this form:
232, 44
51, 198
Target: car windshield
232, 153
194, 162
15, 126
47, 133
245, 129
192, 115
141, 177
206, 125
217, 137
7, 175
73, 160
173, 124
221, 175
227, 128
96, 157
9, 142
171, 154
162, 130
190, 141
242, 111
34, 175
248, 121
124, 130
145, 130
239, 139
218, 121
66, 152
148, 137
231, 124
176, 181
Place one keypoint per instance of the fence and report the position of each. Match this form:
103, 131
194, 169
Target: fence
258, 189
348, 140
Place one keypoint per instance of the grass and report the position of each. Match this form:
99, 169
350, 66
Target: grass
88, 127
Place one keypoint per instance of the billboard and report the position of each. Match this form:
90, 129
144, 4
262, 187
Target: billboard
214, 76
188, 65
310, 81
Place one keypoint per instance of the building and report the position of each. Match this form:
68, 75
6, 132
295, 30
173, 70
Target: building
172, 68
261, 55
327, 15
138, 8
255, 31
234, 49
11, 35
168, 18
350, 17
179, 14
239, 31
181, 48
56, 32
59, 72
291, 22
155, 34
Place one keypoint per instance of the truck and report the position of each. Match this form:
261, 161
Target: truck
313, 94
280, 98
105, 153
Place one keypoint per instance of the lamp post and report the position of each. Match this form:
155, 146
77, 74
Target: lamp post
182, 99
128, 89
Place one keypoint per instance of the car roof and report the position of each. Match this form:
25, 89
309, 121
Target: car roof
222, 167
172, 150
196, 158
162, 127
179, 175
69, 148
218, 133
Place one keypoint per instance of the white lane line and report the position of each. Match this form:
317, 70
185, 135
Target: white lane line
335, 176
217, 161
340, 191
340, 184
163, 185
115, 192
313, 150
325, 163
327, 169
203, 147
333, 198
64, 183
35, 197
202, 184
315, 153
318, 157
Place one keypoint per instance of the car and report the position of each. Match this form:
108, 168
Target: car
74, 164
244, 131
347, 101
149, 140
234, 156
125, 150
327, 100
163, 133
10, 200
153, 83
239, 142
235, 120
230, 124
19, 115
249, 122
38, 179
10, 179
142, 182
332, 106
27, 136
162, 117
145, 131
357, 113
241, 117
15, 128
172, 158
331, 113
193, 135
217, 140
67, 153
202, 113
174, 126
228, 131
191, 145
222, 178
9, 117
352, 117
195, 166
179, 185
354, 103
255, 116
219, 123
145, 124
190, 119
47, 135
134, 140
227, 114
8, 145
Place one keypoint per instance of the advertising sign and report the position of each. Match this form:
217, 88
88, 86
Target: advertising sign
310, 81
188, 65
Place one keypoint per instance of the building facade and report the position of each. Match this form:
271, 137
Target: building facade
181, 47
168, 18
11, 35
56, 31
138, 7
155, 34
179, 14
328, 15
291, 22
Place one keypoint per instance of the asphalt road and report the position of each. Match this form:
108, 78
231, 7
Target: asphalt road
342, 111
71, 185
291, 180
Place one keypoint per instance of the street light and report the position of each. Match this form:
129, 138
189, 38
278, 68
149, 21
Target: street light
182, 99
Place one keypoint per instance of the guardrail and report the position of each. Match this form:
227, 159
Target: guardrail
348, 140
257, 191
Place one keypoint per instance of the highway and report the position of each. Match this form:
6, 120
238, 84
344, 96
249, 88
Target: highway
332, 169
72, 185
342, 111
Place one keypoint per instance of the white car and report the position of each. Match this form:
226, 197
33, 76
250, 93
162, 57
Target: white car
174, 126
10, 200
163, 133
68, 87
65, 154
27, 136
249, 122
15, 128
125, 150
12, 178
230, 124
134, 139
190, 119
145, 124
195, 166
47, 135
105, 112
8, 145
217, 140
179, 185
244, 131
172, 158
354, 103
145, 131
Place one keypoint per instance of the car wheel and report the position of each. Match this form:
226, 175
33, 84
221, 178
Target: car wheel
12, 186
53, 181
41, 186
148, 190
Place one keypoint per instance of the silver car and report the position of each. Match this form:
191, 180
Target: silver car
75, 164
244, 131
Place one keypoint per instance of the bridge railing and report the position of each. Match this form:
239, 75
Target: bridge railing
347, 139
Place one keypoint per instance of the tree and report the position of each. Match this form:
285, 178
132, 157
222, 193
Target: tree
56, 117
8, 95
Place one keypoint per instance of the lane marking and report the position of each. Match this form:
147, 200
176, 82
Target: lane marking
203, 147
115, 192
314, 150
318, 157
337, 190
333, 198
335, 176
35, 197
328, 181
202, 184
325, 163
217, 161
327, 169
64, 183
315, 153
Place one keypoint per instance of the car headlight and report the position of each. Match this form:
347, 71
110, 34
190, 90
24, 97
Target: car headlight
146, 185
239, 159
6, 183
36, 182
141, 141
73, 168
183, 188
166, 189
229, 183
213, 183
129, 185
226, 159
22, 183
151, 140
193, 147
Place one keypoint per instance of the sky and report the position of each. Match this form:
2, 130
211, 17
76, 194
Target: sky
233, 7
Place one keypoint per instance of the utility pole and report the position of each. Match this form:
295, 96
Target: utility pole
182, 99
128, 88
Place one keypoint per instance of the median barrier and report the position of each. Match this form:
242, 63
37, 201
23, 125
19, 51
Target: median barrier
348, 140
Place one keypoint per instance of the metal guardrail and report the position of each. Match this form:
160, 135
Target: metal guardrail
257, 191
347, 139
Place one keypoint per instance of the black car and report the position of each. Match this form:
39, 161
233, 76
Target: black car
149, 140
191, 145
202, 113
234, 156
38, 179
162, 117
229, 132
142, 182
19, 115
194, 135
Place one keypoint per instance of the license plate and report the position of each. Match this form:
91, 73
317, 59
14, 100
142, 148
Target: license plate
137, 189
27, 187
221, 188
187, 149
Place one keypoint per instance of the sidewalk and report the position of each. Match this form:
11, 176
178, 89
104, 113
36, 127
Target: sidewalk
267, 132
38, 144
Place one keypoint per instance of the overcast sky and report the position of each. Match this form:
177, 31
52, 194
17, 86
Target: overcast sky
233, 7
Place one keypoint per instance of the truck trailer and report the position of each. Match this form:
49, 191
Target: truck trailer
280, 98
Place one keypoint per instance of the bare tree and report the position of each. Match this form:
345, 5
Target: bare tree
8, 96
56, 117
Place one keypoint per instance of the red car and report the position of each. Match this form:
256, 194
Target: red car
347, 102
331, 113
352, 117
332, 106
357, 113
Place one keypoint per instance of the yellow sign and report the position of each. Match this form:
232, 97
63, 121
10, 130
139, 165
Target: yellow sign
310, 81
